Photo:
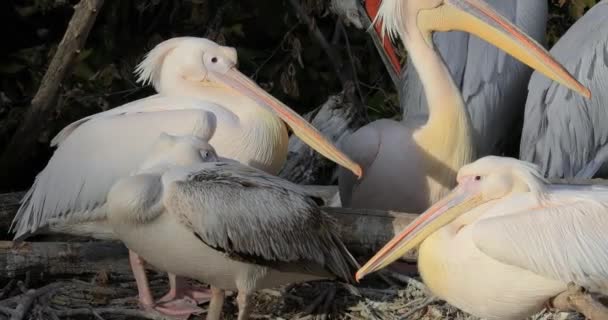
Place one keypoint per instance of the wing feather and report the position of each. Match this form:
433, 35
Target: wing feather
257, 217
90, 159
565, 241
563, 131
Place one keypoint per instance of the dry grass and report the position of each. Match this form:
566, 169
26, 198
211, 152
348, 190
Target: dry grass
109, 298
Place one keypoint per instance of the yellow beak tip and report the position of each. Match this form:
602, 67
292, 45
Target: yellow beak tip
359, 172
587, 93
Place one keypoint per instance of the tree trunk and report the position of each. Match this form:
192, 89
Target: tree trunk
363, 231
25, 144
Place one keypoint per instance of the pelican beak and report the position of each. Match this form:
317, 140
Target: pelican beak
478, 18
463, 198
231, 77
383, 44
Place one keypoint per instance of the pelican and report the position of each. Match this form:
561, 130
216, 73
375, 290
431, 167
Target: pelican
563, 133
408, 166
492, 83
504, 241
227, 224
200, 89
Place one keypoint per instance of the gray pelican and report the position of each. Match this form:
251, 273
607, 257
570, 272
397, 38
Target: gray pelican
563, 133
408, 166
492, 83
505, 242
227, 224
199, 88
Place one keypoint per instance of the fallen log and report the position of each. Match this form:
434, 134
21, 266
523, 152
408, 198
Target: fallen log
9, 204
364, 232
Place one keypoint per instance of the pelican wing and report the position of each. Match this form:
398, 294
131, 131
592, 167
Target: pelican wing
563, 132
96, 153
493, 84
565, 239
257, 217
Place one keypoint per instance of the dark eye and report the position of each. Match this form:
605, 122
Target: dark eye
214, 59
477, 178
205, 154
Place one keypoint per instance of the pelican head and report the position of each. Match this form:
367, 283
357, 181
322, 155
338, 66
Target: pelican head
198, 63
410, 19
170, 150
489, 178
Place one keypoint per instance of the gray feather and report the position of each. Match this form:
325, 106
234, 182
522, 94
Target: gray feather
259, 218
493, 84
563, 131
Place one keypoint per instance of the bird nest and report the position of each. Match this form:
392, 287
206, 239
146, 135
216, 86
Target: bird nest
113, 297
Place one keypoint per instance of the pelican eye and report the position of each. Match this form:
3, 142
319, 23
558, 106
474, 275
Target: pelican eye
477, 178
205, 154
214, 59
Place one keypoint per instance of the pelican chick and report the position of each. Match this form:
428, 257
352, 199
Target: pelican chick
226, 224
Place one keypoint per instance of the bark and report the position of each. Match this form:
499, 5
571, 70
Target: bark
363, 232
57, 258
25, 142
9, 203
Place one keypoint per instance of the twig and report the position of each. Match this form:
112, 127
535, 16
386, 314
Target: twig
425, 303
25, 141
114, 311
575, 299
347, 80
29, 297
7, 288
328, 303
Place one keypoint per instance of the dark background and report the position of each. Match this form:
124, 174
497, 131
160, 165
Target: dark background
274, 48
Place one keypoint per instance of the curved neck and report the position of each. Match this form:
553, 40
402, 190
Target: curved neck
447, 134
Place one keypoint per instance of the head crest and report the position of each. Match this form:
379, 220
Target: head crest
148, 71
390, 15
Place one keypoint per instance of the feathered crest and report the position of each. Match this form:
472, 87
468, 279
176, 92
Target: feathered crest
390, 15
148, 71
527, 172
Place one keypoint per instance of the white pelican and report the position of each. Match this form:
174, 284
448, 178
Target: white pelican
504, 242
200, 89
408, 166
229, 225
563, 133
492, 83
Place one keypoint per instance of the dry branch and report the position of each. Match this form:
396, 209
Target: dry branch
364, 232
575, 299
25, 141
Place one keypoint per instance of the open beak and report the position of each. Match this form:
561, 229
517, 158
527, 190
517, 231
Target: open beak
462, 199
383, 44
304, 130
478, 18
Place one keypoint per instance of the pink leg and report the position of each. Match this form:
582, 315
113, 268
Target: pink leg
137, 265
180, 290
178, 309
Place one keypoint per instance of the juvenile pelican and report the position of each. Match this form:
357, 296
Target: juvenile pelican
199, 89
504, 242
408, 166
229, 225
